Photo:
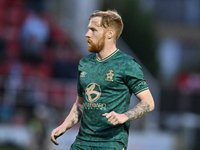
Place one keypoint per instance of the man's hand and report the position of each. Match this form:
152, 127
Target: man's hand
56, 133
115, 118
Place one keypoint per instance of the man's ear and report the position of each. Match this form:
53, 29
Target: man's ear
111, 33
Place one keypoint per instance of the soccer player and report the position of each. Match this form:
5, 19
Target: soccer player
106, 80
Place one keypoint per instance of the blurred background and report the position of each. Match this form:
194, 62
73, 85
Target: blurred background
42, 41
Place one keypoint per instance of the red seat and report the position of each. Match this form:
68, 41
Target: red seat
2, 15
15, 16
18, 4
13, 50
3, 3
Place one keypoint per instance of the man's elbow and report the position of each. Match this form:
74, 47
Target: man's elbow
152, 106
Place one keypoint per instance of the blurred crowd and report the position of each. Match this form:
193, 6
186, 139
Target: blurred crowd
37, 59
31, 41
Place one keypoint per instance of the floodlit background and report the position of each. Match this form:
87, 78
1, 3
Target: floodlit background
42, 41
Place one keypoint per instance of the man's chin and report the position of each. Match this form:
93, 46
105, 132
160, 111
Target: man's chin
93, 50
90, 50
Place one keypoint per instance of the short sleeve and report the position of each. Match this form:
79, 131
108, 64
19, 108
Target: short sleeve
134, 78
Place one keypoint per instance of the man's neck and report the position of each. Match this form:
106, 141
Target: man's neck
106, 52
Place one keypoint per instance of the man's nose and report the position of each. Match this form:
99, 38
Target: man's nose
87, 34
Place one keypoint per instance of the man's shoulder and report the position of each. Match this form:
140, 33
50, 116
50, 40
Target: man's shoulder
125, 57
126, 61
88, 58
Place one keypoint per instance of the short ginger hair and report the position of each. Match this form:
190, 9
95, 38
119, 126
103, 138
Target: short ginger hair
110, 19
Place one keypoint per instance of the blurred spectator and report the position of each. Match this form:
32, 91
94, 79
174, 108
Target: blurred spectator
38, 126
36, 5
65, 66
2, 49
169, 57
35, 33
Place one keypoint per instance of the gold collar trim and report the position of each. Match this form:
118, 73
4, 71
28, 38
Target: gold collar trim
107, 56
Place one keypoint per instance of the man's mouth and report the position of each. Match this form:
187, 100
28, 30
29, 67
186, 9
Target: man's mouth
89, 41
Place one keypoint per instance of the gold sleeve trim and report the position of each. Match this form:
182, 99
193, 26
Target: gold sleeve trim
141, 90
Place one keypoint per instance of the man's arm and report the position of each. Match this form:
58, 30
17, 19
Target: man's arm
72, 119
145, 106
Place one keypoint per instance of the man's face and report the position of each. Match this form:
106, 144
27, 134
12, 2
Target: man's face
95, 35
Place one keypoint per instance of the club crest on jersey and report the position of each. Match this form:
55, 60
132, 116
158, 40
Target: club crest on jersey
109, 75
83, 74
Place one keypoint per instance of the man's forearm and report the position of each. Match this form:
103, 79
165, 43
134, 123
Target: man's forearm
74, 116
77, 115
140, 110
